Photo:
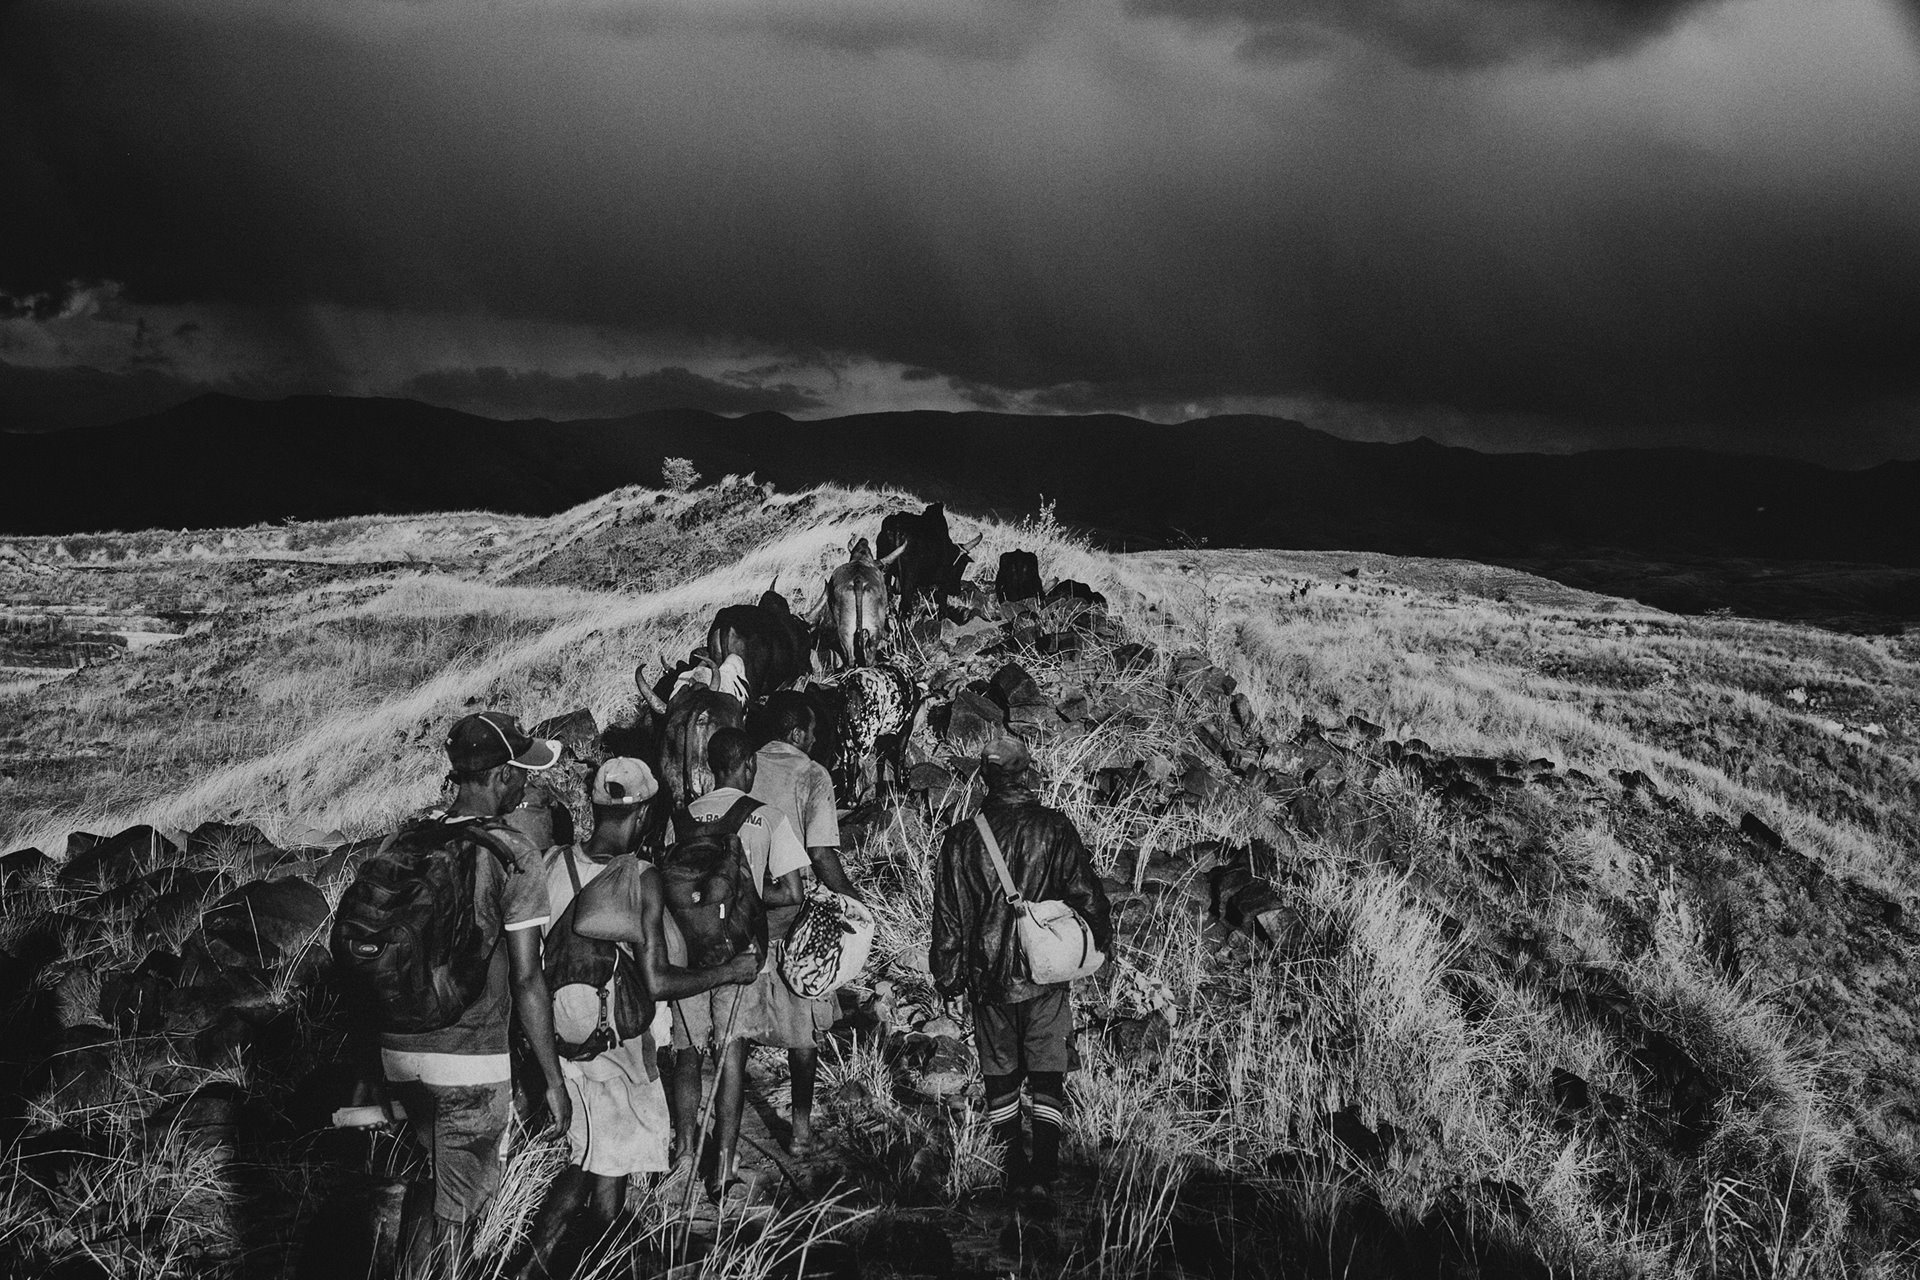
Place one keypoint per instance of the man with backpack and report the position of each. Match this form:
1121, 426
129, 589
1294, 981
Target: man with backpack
608, 969
1023, 1030
731, 858
418, 937
789, 779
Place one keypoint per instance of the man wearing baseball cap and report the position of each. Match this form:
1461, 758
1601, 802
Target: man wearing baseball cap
621, 1126
1023, 1030
456, 1083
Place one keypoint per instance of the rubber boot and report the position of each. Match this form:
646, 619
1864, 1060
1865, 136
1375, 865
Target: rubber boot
1003, 1128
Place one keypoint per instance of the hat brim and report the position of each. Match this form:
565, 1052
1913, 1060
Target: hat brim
542, 753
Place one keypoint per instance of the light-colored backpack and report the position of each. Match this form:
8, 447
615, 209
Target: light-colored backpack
1056, 941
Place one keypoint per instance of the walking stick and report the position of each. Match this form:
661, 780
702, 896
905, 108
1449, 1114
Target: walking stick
700, 1133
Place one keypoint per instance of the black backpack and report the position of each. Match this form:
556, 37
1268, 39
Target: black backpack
405, 938
709, 888
626, 1008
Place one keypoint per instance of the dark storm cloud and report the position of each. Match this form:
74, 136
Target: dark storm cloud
503, 393
1098, 222
1436, 33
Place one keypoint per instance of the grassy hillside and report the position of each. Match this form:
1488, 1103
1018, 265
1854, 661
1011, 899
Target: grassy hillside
1495, 927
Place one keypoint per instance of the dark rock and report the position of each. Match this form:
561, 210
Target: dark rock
1369, 1146
22, 863
1367, 729
224, 840
1194, 674
209, 1116
972, 722
929, 777
1069, 589
1633, 780
1483, 769
266, 924
1570, 1092
1133, 656
1059, 644
1198, 781
131, 1001
1762, 835
1012, 686
115, 861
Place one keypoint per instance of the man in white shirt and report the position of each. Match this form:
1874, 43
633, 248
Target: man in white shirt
789, 779
776, 860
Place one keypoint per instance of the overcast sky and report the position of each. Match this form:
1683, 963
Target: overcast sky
1539, 224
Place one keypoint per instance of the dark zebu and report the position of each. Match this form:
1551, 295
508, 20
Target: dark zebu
773, 646
922, 558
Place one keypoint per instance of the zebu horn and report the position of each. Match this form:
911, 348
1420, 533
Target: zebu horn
968, 546
892, 555
658, 707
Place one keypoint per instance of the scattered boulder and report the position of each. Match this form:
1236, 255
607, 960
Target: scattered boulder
224, 841
1369, 1146
119, 859
1570, 1092
1133, 656
1194, 674
1633, 780
1070, 589
972, 720
575, 730
22, 863
1765, 837
265, 925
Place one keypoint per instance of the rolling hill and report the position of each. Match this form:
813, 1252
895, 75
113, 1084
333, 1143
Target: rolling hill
1819, 544
1470, 924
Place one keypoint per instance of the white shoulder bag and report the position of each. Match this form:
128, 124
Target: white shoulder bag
1055, 939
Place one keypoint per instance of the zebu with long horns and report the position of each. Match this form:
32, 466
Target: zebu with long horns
857, 612
921, 557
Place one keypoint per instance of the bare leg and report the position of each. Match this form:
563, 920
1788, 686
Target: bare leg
802, 1066
730, 1097
559, 1212
682, 1070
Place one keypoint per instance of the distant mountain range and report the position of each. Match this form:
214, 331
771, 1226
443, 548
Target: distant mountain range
1246, 481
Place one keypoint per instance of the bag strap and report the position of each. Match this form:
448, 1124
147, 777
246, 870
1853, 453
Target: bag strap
573, 872
485, 832
736, 816
999, 863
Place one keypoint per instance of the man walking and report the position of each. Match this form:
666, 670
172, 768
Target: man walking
789, 780
620, 1123
1022, 1030
456, 1082
726, 1018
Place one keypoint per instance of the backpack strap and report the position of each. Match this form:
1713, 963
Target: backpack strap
736, 817
999, 863
573, 872
486, 831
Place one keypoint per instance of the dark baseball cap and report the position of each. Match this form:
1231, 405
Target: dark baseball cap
494, 738
1007, 753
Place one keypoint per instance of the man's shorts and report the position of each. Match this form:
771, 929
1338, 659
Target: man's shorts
1033, 1035
620, 1122
463, 1128
769, 1013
